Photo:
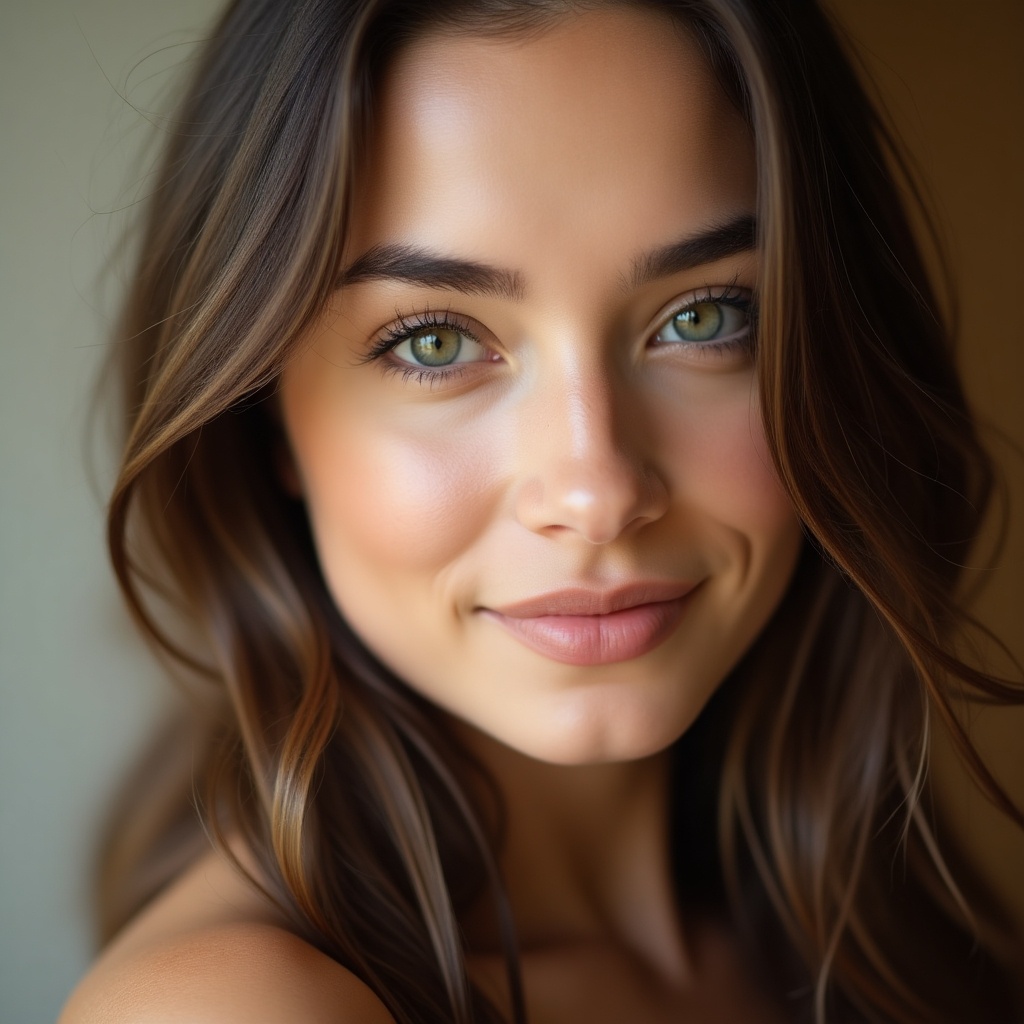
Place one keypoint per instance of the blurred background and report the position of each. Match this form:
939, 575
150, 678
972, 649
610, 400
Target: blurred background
82, 84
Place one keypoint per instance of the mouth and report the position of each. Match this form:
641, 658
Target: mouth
588, 627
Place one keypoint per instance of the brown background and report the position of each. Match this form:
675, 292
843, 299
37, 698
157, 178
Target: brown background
952, 76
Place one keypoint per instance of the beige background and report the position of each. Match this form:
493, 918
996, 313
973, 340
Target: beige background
952, 75
76, 691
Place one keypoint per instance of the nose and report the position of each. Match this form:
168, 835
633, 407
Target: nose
581, 475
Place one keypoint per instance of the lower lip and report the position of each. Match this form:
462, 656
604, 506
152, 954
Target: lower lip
597, 639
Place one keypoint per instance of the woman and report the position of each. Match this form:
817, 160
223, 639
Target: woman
540, 418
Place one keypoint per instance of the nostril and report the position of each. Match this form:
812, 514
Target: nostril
597, 502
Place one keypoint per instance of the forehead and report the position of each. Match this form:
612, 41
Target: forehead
609, 117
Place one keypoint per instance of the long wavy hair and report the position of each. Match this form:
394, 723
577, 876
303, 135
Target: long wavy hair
805, 775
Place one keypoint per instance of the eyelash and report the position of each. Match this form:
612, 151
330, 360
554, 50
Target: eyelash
734, 297
406, 326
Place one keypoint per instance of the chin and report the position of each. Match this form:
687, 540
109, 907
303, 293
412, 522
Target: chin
601, 728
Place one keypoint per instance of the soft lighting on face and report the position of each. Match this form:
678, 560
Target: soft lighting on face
528, 434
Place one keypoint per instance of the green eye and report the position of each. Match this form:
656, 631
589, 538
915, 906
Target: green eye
437, 346
707, 323
700, 322
430, 348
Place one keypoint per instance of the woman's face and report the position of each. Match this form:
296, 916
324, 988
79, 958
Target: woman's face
528, 432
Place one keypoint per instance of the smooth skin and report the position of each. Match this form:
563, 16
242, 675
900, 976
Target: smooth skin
578, 440
570, 449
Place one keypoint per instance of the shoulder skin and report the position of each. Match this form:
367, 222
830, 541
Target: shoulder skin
212, 950
237, 973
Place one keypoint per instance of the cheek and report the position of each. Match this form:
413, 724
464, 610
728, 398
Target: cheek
724, 466
387, 499
741, 470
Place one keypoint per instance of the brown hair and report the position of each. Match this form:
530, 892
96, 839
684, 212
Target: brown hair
805, 773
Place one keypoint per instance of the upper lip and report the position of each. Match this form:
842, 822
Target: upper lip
585, 601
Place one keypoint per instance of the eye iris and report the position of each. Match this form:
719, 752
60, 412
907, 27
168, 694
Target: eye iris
699, 322
436, 347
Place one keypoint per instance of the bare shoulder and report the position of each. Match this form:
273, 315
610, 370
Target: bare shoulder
244, 973
210, 952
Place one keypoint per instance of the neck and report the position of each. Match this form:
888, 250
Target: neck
586, 856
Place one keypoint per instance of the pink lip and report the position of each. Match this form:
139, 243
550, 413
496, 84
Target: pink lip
587, 627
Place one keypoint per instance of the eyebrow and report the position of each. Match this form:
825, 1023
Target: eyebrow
716, 243
420, 266
395, 262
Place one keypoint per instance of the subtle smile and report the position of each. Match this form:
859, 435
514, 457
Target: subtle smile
585, 627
